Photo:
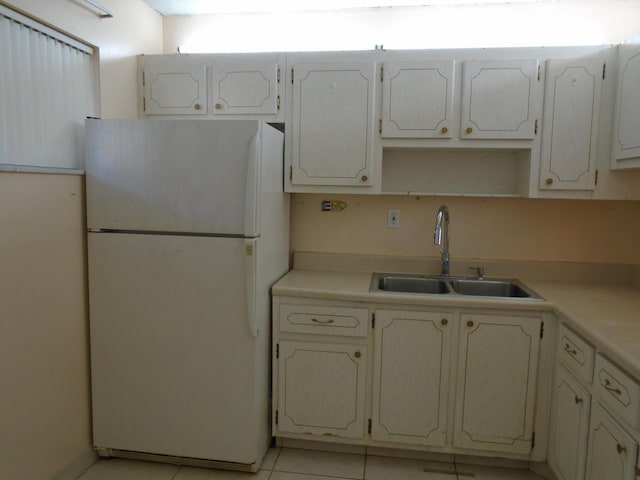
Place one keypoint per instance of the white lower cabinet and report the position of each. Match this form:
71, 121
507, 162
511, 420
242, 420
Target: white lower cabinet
612, 451
321, 389
410, 377
496, 383
569, 427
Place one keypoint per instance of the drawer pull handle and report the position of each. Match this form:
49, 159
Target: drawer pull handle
621, 449
610, 388
323, 322
578, 400
568, 349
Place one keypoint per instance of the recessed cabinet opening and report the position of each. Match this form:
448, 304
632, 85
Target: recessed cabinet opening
495, 172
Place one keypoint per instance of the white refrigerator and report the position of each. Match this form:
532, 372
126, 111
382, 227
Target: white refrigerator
188, 228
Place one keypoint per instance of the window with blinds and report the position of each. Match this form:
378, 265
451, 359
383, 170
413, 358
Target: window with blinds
48, 85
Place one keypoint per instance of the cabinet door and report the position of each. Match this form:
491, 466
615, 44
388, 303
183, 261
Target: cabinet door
497, 366
417, 99
612, 451
569, 427
626, 127
498, 99
175, 89
321, 388
333, 114
570, 125
411, 370
245, 89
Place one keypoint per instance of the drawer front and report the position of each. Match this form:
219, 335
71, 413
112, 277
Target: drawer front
576, 354
618, 391
324, 320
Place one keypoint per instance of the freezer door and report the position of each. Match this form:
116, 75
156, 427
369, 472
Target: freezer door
196, 176
176, 368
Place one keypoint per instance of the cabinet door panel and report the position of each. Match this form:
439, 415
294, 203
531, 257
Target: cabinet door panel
411, 377
498, 99
175, 90
570, 127
321, 389
417, 99
626, 130
245, 89
333, 116
569, 427
497, 364
612, 451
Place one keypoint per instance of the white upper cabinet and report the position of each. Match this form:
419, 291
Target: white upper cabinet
332, 124
245, 89
417, 99
570, 124
172, 89
626, 127
498, 99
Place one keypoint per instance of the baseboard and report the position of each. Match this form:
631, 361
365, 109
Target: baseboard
80, 465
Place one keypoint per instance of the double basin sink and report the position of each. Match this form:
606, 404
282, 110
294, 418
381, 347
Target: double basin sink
440, 285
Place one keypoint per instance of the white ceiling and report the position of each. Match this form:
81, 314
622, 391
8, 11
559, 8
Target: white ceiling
195, 7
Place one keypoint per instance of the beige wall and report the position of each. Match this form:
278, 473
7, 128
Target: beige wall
45, 417
488, 228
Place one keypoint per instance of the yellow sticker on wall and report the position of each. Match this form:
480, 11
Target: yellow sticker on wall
333, 206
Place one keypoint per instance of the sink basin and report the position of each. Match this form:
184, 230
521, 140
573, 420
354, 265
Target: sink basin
424, 284
409, 284
491, 288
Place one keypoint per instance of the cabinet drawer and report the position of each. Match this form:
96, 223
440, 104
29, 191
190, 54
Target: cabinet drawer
576, 354
618, 390
324, 320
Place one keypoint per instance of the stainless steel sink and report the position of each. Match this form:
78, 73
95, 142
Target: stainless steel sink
445, 285
409, 284
491, 288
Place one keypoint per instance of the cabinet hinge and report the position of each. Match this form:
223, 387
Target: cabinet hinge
144, 104
604, 70
380, 126
535, 127
541, 329
278, 75
277, 354
143, 79
369, 426
278, 102
292, 76
276, 417
373, 320
290, 172
539, 72
533, 440
381, 74
596, 179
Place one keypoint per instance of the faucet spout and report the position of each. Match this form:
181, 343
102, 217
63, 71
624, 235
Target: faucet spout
442, 217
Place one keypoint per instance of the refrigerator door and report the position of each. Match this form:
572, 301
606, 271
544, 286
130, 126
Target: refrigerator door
189, 176
175, 366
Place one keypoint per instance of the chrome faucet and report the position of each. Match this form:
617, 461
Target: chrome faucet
443, 213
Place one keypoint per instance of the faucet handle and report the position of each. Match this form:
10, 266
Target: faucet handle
479, 272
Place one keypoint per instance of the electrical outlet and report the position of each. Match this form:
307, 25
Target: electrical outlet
393, 218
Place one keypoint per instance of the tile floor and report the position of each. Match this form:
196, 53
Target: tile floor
298, 464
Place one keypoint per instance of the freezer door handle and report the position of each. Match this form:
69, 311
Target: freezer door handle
252, 193
250, 290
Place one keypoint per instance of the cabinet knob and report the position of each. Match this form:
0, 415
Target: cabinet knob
218, 106
578, 400
444, 129
444, 321
364, 178
470, 323
469, 130
197, 106
357, 354
549, 181
620, 448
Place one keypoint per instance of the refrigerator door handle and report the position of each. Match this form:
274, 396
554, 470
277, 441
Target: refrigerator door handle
251, 279
252, 193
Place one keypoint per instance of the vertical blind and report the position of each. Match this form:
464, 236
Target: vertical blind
48, 85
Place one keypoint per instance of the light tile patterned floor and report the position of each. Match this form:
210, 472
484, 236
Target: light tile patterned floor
298, 464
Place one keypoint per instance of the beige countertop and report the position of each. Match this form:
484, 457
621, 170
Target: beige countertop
607, 314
